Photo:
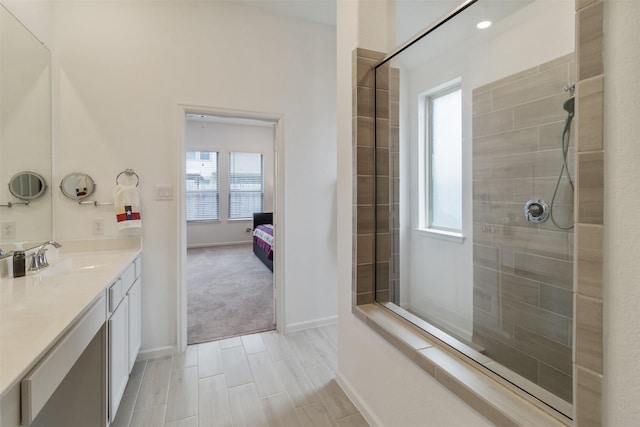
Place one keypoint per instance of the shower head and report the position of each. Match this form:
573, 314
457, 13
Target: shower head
569, 105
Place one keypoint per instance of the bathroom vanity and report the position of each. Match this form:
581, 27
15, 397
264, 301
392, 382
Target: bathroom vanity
69, 336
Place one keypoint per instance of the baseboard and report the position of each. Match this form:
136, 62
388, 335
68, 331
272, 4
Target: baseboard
364, 409
207, 245
301, 326
157, 352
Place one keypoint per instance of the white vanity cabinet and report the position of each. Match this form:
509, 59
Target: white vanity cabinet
70, 335
124, 334
135, 315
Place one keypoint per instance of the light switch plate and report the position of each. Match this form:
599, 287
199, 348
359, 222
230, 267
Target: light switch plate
163, 192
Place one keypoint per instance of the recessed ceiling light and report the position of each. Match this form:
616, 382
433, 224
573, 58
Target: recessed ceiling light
483, 25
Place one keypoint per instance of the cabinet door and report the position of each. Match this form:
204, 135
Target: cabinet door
118, 356
135, 313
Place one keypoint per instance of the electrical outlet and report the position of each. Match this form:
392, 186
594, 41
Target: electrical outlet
8, 230
98, 227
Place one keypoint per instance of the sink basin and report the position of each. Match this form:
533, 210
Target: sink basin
78, 263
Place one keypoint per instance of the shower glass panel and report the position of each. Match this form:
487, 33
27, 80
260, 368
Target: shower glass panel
474, 199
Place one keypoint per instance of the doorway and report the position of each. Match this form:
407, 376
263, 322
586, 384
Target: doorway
230, 170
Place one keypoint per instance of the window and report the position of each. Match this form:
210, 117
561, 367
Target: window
202, 186
246, 185
444, 160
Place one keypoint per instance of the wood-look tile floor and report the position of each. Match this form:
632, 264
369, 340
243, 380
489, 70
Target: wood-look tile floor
264, 379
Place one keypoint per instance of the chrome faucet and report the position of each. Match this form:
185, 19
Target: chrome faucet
38, 259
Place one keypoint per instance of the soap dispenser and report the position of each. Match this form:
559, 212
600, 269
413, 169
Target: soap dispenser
19, 264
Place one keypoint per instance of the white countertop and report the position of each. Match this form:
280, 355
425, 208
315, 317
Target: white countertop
38, 309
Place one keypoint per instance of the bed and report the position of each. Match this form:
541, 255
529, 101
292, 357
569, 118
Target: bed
263, 243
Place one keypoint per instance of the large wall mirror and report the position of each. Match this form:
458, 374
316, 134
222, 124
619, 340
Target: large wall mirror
25, 134
474, 138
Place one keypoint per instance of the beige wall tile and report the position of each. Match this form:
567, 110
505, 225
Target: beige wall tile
364, 161
364, 102
508, 356
589, 333
590, 185
589, 241
547, 324
511, 142
590, 115
548, 351
366, 53
394, 85
556, 300
519, 289
382, 161
365, 277
534, 241
486, 256
540, 112
482, 300
382, 133
382, 104
365, 249
550, 135
491, 123
382, 276
383, 247
556, 382
364, 72
382, 190
552, 271
481, 103
494, 189
382, 76
364, 129
590, 41
394, 113
364, 195
366, 298
588, 406
365, 221
540, 85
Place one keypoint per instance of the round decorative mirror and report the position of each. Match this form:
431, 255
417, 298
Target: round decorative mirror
77, 186
27, 185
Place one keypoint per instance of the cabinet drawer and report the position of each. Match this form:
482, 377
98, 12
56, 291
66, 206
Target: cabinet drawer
128, 277
40, 384
116, 293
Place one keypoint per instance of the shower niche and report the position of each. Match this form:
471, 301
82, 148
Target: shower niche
474, 188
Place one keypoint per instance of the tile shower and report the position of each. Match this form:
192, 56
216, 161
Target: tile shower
523, 271
587, 248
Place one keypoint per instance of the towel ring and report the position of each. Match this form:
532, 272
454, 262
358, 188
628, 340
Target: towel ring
128, 172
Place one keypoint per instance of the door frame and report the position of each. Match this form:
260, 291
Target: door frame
278, 203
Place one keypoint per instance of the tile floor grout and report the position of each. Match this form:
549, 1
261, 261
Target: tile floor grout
288, 380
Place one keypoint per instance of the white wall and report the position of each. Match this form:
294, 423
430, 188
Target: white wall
123, 69
225, 138
36, 15
438, 276
622, 197
391, 389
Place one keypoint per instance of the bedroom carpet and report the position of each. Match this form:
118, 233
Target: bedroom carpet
229, 293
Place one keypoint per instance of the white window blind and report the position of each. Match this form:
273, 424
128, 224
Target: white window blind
202, 186
246, 185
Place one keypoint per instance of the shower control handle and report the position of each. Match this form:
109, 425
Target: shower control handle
536, 210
